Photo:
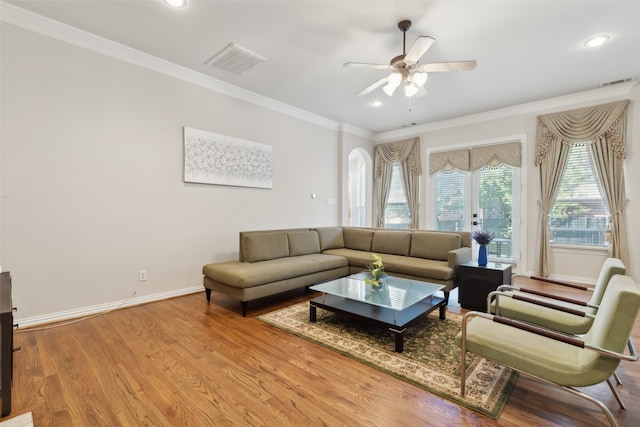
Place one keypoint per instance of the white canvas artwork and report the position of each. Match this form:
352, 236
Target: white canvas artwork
211, 158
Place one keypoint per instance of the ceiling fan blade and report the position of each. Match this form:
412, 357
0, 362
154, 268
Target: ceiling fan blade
364, 65
435, 67
373, 86
421, 45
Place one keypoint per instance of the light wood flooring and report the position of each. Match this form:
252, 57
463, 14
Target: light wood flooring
183, 362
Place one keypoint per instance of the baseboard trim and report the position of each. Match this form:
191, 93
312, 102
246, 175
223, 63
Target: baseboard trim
29, 322
24, 420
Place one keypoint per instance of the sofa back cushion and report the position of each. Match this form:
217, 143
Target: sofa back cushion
303, 243
357, 238
433, 245
391, 242
330, 238
264, 246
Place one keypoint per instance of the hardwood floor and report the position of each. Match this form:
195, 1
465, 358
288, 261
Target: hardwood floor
183, 362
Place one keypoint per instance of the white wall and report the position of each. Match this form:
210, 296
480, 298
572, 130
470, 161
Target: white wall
92, 185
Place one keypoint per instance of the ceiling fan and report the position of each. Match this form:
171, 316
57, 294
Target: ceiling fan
406, 70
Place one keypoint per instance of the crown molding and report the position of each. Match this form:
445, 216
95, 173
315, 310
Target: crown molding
537, 107
354, 130
48, 27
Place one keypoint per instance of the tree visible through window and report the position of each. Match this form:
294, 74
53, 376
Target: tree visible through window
579, 215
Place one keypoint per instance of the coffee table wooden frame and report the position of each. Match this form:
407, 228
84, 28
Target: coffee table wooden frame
396, 321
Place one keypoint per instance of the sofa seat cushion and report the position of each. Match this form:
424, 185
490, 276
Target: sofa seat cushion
246, 275
418, 267
355, 257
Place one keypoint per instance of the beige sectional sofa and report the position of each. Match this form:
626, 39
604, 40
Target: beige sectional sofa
274, 261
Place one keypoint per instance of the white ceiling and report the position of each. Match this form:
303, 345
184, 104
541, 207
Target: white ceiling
526, 50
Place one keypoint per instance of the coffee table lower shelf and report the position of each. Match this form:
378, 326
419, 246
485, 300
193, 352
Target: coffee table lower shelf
396, 321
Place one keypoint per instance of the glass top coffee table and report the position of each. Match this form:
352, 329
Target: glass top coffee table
396, 305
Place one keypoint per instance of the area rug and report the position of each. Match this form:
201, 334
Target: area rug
430, 360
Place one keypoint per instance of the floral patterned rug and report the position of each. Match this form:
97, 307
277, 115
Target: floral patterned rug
430, 360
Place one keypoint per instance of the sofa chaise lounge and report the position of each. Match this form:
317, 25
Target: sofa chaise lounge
274, 261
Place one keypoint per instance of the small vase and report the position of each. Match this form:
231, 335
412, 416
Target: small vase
482, 255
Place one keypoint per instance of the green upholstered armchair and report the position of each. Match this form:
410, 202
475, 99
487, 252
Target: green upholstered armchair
556, 358
552, 311
568, 315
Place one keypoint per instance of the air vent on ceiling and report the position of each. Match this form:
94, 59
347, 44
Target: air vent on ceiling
615, 82
234, 59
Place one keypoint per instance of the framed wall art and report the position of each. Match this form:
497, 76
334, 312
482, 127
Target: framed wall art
212, 158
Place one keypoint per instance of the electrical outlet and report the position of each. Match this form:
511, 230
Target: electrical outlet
143, 276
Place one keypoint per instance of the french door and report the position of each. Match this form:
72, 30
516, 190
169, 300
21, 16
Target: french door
488, 198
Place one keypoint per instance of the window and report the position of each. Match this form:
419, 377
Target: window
357, 189
450, 202
497, 188
579, 215
397, 215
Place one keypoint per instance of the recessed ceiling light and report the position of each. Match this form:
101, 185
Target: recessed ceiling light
596, 41
176, 3
376, 103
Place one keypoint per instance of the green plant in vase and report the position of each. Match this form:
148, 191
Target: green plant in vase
376, 271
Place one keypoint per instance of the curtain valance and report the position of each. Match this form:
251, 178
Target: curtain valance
449, 160
405, 152
584, 124
492, 155
475, 158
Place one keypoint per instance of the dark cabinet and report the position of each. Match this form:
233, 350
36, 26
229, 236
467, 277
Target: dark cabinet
476, 281
6, 342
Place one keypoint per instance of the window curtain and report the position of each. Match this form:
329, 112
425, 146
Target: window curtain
605, 126
407, 154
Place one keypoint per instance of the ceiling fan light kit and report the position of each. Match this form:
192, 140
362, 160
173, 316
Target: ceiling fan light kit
405, 69
176, 3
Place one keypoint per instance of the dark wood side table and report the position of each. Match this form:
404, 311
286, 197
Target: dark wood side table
476, 281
